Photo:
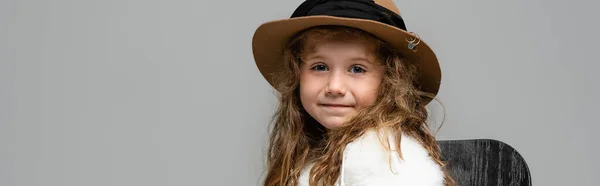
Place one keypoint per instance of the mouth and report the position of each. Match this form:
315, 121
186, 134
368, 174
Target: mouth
336, 105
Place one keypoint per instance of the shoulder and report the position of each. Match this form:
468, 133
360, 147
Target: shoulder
368, 161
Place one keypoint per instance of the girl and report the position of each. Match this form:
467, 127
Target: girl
353, 87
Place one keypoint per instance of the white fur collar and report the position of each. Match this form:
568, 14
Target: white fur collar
367, 163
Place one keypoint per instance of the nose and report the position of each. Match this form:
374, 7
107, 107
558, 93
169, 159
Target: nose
336, 85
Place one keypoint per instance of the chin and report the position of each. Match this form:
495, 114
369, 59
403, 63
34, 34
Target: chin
332, 123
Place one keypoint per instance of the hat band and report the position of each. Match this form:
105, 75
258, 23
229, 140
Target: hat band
361, 9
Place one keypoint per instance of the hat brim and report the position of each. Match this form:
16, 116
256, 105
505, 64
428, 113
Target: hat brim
271, 38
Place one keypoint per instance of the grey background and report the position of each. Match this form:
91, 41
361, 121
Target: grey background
134, 92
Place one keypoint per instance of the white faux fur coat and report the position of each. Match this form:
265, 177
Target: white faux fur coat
367, 162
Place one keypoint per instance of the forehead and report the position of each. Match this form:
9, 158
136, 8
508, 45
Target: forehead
343, 45
315, 38
340, 51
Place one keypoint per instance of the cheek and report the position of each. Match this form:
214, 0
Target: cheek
367, 98
310, 84
308, 90
369, 93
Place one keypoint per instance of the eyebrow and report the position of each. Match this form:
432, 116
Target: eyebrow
309, 57
361, 59
351, 59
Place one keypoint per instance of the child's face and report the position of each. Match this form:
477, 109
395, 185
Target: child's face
337, 79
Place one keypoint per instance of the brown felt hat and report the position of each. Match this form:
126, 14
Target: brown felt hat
381, 18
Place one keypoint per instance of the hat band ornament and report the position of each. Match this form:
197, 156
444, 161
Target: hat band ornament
413, 42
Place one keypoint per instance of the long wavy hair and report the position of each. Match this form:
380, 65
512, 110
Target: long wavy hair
296, 139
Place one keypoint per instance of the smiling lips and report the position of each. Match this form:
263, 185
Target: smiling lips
337, 109
336, 105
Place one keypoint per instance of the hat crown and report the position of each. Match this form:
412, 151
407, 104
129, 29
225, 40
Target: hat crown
389, 4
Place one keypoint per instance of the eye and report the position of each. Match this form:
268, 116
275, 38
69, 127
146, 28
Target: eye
319, 67
357, 70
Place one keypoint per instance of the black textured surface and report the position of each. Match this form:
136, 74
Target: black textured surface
484, 162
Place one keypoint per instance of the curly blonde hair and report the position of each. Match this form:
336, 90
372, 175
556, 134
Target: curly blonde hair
296, 139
